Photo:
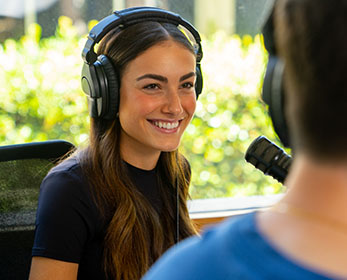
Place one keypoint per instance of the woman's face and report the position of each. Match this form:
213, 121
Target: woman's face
157, 100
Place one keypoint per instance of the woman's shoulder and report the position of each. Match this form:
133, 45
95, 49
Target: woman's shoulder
68, 165
65, 184
66, 175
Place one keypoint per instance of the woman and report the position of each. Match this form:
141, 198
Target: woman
110, 210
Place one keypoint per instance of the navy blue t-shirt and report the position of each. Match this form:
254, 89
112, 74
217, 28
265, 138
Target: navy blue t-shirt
68, 224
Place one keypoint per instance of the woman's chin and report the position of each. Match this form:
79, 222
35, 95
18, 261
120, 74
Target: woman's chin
170, 148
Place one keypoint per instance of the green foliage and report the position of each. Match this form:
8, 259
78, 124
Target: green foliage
41, 99
229, 116
40, 96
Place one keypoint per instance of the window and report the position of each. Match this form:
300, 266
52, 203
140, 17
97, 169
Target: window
41, 98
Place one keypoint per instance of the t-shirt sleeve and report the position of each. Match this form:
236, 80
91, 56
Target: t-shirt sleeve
65, 218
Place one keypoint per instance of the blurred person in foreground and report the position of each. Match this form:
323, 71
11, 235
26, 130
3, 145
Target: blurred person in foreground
303, 236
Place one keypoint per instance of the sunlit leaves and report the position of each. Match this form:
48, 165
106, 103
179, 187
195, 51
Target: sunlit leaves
41, 98
229, 116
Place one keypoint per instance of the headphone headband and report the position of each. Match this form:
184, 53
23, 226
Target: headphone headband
133, 16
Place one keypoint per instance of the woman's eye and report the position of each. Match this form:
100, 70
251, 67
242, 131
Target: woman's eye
187, 85
151, 86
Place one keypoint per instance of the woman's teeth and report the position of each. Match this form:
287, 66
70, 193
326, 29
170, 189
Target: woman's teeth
166, 125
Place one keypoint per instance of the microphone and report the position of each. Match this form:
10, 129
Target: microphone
269, 158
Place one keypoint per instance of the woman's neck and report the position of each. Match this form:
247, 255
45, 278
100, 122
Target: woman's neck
143, 160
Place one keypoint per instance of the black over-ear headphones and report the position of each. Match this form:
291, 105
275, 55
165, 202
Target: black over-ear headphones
273, 90
100, 79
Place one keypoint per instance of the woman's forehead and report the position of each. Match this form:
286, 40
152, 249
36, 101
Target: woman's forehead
163, 56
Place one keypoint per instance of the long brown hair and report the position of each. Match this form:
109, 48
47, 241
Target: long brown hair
136, 235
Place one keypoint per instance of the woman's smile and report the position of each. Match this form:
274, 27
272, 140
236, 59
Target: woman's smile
165, 126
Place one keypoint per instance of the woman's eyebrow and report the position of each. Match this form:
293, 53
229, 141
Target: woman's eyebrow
164, 79
153, 76
186, 76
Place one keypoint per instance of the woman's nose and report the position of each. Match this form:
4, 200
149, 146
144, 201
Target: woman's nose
173, 103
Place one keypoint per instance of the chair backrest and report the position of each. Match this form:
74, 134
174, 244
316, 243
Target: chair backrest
22, 168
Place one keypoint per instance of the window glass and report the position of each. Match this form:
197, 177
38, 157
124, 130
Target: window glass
41, 97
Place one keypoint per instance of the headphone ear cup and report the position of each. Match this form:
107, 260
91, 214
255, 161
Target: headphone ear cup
273, 95
110, 100
90, 86
199, 82
273, 89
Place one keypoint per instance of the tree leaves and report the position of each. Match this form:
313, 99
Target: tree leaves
41, 98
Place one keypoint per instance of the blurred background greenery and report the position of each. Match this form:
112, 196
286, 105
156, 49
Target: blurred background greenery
41, 99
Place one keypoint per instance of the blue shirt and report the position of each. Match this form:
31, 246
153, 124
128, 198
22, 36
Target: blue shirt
233, 250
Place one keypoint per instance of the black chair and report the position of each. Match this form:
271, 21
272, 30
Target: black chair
22, 168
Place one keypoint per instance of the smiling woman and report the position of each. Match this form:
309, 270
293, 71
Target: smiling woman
111, 209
